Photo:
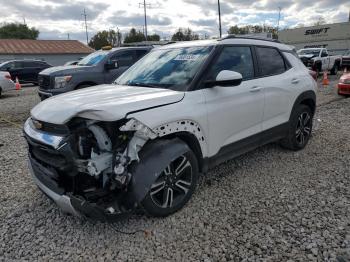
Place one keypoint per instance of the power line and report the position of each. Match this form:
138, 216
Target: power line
86, 29
219, 9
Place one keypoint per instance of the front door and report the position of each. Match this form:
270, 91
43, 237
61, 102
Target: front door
235, 113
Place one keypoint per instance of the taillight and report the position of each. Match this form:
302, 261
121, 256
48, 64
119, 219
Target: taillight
313, 74
8, 76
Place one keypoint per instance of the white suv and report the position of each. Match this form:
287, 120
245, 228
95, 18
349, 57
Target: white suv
141, 142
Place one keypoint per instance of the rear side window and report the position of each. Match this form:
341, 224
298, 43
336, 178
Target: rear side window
140, 53
233, 58
29, 64
270, 60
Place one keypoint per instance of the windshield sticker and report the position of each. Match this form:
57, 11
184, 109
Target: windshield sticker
186, 57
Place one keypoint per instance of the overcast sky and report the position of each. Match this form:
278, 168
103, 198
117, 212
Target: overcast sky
56, 18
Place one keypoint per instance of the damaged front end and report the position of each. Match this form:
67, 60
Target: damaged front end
85, 166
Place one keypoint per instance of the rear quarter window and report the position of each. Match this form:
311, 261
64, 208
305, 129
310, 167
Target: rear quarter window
271, 61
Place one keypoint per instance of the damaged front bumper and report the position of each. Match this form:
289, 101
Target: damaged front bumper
67, 202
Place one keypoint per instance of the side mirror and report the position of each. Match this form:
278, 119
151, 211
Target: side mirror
111, 65
226, 78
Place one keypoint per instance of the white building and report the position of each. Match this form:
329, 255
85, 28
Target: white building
334, 37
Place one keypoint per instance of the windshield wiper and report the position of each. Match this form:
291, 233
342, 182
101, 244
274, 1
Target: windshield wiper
143, 85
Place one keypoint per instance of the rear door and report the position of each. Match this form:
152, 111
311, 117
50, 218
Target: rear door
278, 79
125, 59
234, 112
30, 71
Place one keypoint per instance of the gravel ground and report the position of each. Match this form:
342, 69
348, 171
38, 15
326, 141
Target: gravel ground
270, 204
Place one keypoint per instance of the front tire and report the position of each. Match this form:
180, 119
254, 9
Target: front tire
174, 187
300, 129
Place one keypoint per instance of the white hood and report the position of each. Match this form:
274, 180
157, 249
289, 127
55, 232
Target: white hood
104, 102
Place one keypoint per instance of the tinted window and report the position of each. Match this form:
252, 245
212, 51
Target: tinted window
140, 53
324, 54
270, 60
233, 58
29, 64
124, 58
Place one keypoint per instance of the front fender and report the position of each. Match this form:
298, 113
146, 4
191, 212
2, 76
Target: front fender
154, 158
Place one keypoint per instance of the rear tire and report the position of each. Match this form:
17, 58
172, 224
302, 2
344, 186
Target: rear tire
335, 69
300, 129
174, 187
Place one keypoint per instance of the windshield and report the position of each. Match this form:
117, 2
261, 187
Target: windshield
309, 52
172, 68
93, 59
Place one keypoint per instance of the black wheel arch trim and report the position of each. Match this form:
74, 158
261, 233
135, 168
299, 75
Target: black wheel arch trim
155, 156
305, 97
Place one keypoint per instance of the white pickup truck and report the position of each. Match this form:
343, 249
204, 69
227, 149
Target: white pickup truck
319, 60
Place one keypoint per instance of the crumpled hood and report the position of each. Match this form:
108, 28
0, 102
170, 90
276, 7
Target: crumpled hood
104, 102
64, 70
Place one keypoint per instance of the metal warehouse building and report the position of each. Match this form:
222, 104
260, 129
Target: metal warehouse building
54, 52
334, 37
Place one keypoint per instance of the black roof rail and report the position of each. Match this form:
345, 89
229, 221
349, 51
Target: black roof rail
249, 37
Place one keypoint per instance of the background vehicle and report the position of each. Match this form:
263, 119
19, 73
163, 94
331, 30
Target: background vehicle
344, 85
71, 63
319, 60
26, 70
101, 67
180, 110
345, 63
6, 84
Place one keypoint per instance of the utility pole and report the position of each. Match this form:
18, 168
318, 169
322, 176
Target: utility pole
86, 30
145, 11
219, 9
24, 20
279, 18
68, 36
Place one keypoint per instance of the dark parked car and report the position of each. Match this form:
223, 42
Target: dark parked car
27, 71
100, 67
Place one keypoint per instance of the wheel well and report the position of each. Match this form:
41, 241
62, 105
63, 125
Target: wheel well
85, 83
310, 103
192, 143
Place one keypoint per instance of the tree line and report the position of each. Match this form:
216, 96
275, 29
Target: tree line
115, 38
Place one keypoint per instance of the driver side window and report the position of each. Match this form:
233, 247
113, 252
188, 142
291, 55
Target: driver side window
233, 58
124, 58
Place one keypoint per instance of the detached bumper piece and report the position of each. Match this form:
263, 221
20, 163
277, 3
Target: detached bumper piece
44, 178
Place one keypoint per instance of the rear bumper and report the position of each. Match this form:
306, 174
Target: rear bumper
7, 85
344, 89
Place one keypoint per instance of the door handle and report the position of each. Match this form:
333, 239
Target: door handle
255, 89
295, 81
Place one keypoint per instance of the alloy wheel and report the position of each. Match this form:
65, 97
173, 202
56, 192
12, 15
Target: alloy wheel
303, 130
173, 185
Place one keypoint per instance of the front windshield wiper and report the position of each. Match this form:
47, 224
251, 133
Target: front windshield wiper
143, 85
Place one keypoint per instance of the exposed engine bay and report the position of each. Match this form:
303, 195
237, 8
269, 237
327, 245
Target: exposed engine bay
94, 160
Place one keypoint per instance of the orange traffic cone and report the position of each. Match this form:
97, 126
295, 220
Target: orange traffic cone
18, 85
325, 80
